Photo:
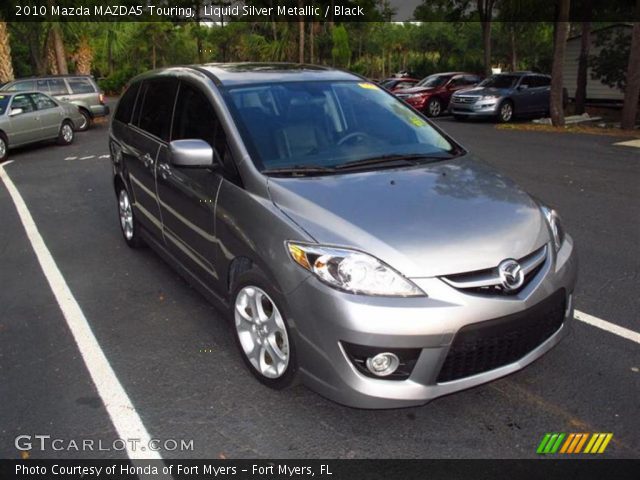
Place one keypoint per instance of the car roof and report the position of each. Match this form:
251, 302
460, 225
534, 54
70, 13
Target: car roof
229, 74
41, 77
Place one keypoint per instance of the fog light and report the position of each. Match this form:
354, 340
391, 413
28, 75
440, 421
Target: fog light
383, 364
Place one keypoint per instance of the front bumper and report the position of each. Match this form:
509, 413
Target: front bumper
482, 108
324, 320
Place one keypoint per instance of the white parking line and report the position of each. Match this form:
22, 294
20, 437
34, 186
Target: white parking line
87, 157
629, 143
607, 326
122, 412
71, 158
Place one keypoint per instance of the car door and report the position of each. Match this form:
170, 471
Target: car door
541, 94
148, 132
25, 126
50, 114
523, 95
187, 195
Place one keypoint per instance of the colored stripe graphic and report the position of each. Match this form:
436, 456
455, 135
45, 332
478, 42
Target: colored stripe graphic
572, 443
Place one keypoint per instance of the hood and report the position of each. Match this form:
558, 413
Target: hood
451, 217
485, 91
414, 90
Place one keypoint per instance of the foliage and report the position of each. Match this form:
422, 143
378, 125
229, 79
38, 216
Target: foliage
341, 53
610, 63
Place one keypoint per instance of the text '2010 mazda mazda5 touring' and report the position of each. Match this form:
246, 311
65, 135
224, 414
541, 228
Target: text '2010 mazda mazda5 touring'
354, 245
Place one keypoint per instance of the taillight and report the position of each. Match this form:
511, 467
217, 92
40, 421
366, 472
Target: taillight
101, 98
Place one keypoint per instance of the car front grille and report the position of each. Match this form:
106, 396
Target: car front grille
487, 282
488, 345
465, 99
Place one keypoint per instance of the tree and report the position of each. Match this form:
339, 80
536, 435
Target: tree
559, 46
583, 60
301, 33
6, 63
485, 11
340, 51
632, 88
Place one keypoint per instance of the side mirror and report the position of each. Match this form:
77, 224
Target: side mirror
194, 153
15, 111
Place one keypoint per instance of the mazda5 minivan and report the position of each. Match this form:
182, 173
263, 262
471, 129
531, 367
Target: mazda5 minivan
353, 244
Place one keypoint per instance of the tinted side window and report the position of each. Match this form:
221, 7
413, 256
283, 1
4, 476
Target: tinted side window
194, 116
157, 107
57, 86
126, 104
42, 86
543, 81
80, 85
42, 101
22, 86
528, 81
24, 102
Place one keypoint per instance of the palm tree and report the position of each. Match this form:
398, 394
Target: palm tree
6, 65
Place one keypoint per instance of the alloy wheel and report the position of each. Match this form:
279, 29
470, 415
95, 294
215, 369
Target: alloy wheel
262, 332
67, 133
3, 148
506, 112
126, 214
434, 108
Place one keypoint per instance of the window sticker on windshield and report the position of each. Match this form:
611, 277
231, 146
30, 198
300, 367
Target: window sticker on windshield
417, 121
369, 86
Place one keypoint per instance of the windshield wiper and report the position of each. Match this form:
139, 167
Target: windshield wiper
394, 160
299, 170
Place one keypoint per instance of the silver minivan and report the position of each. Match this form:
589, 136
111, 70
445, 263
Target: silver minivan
351, 243
81, 90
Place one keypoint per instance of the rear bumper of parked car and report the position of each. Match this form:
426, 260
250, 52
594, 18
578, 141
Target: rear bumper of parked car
99, 110
479, 109
445, 341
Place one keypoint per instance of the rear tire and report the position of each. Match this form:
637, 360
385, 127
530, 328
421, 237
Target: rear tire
66, 134
4, 147
128, 223
86, 122
261, 331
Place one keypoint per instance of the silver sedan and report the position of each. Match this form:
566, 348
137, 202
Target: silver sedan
29, 117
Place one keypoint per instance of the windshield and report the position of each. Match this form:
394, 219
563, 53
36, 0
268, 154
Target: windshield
4, 103
328, 124
500, 81
434, 81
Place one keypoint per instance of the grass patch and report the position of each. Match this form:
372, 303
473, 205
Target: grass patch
590, 130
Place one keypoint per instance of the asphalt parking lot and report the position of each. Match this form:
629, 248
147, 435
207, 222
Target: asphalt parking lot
174, 354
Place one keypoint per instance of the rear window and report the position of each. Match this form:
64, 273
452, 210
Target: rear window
81, 85
126, 104
4, 103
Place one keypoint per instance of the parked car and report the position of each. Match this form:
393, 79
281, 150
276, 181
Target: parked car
504, 96
31, 117
432, 94
81, 90
398, 83
354, 245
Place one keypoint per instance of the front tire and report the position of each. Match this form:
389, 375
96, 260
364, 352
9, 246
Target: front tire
128, 224
434, 108
261, 331
505, 112
66, 134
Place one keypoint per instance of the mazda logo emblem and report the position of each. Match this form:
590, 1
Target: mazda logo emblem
511, 275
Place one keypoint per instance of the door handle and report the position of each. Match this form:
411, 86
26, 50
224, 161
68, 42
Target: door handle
147, 160
164, 170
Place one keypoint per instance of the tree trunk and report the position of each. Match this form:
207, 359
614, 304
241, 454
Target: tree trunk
512, 40
58, 48
560, 43
153, 53
583, 65
632, 87
312, 35
6, 65
198, 6
110, 41
486, 43
301, 34
84, 57
50, 54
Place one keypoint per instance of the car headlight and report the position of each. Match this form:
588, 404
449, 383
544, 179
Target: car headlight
352, 271
553, 219
489, 97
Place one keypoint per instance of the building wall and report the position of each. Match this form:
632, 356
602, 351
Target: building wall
596, 90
